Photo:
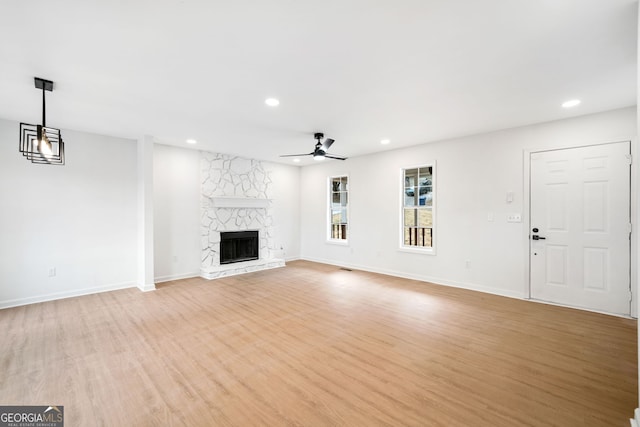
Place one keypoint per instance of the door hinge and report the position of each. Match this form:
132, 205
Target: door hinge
630, 228
630, 158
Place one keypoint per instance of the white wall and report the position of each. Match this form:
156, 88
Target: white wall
79, 218
473, 176
286, 209
176, 210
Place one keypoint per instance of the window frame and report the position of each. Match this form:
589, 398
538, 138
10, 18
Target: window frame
343, 242
425, 250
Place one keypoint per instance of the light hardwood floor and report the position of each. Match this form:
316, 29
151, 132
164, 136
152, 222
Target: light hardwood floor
314, 345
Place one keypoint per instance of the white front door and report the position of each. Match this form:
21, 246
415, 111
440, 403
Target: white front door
580, 227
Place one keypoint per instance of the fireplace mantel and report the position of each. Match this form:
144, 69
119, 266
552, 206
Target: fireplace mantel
239, 202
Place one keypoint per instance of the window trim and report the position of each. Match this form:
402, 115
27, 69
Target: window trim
329, 240
434, 234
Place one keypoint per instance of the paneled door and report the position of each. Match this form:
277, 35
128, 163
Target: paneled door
580, 227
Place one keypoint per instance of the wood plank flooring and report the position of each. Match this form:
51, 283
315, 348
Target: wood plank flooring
314, 345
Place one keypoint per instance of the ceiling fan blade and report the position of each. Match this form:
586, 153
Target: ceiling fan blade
296, 155
327, 144
331, 156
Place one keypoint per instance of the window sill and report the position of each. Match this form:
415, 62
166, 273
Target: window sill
422, 251
338, 242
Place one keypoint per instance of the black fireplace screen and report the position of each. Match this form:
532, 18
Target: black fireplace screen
237, 246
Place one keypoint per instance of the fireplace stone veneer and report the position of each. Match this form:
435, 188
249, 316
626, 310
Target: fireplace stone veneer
235, 196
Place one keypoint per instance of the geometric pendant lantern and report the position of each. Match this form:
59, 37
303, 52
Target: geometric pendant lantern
39, 143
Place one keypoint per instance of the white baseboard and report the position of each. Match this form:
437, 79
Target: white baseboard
147, 287
170, 277
624, 316
461, 285
424, 278
635, 421
66, 294
234, 269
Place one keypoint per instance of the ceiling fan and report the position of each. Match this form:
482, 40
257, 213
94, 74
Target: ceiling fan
320, 151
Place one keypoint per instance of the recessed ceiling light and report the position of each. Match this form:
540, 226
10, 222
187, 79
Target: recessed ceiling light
296, 160
571, 103
272, 102
385, 141
191, 141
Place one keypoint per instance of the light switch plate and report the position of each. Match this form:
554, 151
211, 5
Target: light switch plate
509, 196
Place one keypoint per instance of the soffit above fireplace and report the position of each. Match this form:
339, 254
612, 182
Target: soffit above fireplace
238, 202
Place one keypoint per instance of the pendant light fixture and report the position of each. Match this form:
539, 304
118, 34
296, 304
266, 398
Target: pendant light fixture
39, 143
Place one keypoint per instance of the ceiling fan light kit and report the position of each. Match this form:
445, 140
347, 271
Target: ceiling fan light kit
320, 150
39, 143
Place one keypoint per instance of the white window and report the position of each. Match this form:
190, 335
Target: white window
418, 219
338, 208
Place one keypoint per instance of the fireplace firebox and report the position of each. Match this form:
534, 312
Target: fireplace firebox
238, 246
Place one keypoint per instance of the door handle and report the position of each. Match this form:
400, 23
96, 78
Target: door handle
534, 237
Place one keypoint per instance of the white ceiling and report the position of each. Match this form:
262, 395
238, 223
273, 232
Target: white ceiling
413, 71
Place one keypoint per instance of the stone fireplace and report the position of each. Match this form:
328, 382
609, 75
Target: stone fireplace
236, 197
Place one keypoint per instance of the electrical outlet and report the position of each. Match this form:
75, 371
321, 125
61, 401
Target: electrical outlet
514, 218
52, 272
175, 258
467, 264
